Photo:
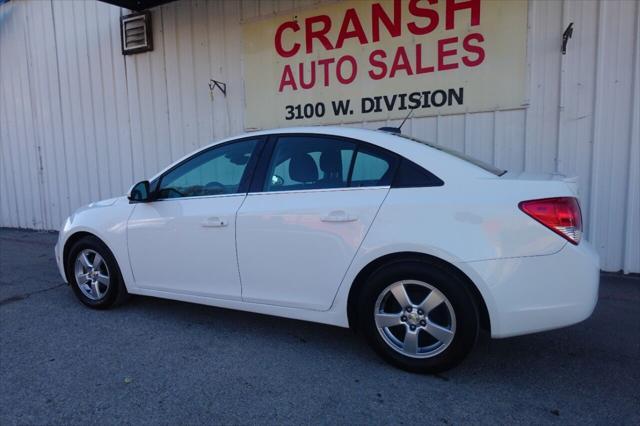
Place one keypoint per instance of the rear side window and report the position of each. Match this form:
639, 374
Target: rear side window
410, 175
372, 168
309, 162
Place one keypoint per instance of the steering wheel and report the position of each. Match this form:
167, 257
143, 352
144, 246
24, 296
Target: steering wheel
215, 187
170, 189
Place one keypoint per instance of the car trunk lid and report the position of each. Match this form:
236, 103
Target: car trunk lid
571, 182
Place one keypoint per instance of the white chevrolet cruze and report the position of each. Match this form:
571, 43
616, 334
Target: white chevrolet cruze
416, 246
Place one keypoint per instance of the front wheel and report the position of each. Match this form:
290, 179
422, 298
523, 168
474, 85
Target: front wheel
94, 275
419, 316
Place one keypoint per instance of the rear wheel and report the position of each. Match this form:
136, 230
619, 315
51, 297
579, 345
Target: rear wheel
419, 316
94, 274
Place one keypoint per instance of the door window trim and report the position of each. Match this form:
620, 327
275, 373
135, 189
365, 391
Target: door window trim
297, 191
235, 194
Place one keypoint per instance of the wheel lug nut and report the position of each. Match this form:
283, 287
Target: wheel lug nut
412, 327
423, 323
409, 309
403, 318
420, 312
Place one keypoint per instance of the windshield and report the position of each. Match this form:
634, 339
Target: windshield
485, 166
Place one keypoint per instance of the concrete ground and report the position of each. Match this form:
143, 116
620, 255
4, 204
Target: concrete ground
158, 361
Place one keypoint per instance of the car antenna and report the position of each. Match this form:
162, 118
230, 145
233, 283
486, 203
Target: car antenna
398, 130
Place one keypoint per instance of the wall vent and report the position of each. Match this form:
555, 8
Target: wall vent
135, 32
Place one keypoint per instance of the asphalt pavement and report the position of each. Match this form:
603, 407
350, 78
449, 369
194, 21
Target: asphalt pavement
155, 361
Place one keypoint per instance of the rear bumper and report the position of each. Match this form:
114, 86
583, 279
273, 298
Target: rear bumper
537, 293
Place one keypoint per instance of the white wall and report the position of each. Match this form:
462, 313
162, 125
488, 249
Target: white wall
80, 122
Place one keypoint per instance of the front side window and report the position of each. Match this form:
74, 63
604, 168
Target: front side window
309, 162
216, 171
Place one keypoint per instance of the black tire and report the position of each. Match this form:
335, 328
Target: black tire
116, 293
450, 284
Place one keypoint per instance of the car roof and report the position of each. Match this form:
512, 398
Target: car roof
344, 131
432, 159
333, 130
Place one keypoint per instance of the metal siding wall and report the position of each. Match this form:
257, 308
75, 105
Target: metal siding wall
79, 121
613, 114
631, 261
19, 145
53, 181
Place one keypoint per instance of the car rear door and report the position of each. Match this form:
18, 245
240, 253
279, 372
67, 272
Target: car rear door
311, 205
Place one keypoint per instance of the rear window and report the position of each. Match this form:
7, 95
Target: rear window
485, 166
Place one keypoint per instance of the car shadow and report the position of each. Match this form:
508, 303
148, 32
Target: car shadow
558, 353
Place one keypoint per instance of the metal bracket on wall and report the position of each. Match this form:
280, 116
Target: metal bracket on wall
568, 33
220, 85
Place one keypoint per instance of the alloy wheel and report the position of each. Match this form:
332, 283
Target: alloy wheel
415, 319
92, 274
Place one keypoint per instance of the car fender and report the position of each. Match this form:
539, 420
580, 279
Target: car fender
107, 220
368, 254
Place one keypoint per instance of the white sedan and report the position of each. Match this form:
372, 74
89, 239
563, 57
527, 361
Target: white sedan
416, 246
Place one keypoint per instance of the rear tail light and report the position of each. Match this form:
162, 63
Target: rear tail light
561, 215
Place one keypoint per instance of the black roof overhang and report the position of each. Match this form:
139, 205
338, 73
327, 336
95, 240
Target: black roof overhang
137, 5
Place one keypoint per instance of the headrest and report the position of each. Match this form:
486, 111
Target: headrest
302, 168
330, 161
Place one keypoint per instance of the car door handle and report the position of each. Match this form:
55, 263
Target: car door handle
214, 222
339, 216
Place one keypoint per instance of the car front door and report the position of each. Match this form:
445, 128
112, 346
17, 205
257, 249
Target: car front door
184, 240
298, 232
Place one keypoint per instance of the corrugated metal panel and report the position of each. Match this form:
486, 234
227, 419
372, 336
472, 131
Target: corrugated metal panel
79, 122
613, 114
19, 140
631, 261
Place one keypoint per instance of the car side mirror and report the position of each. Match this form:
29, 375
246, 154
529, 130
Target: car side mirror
139, 193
